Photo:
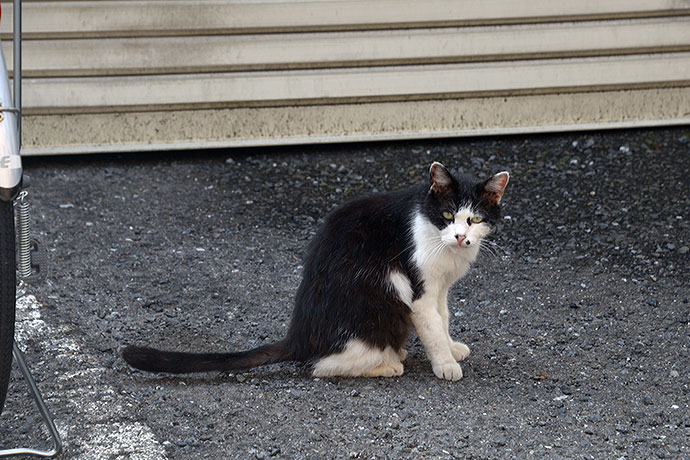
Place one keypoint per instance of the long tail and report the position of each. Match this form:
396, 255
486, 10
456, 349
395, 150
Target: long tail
173, 362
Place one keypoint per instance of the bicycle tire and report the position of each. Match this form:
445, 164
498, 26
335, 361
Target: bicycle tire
8, 300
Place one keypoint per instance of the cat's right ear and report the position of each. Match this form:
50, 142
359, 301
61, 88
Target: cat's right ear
440, 178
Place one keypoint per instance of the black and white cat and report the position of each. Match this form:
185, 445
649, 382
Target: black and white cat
377, 266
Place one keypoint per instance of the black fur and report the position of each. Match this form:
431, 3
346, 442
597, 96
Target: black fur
344, 293
152, 360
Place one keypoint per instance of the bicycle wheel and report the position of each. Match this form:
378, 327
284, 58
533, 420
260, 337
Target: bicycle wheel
8, 286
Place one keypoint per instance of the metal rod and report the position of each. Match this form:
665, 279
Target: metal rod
57, 448
17, 65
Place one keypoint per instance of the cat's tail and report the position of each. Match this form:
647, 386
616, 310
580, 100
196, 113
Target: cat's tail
175, 362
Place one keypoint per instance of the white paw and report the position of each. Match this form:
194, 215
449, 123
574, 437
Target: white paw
398, 369
385, 370
402, 354
459, 350
448, 371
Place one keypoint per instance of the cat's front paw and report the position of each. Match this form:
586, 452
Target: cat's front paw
459, 350
448, 371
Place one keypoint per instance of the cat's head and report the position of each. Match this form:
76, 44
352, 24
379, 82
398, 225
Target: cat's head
463, 209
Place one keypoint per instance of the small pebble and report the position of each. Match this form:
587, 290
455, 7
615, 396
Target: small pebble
594, 417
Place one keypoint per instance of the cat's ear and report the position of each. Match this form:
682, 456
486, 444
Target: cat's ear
493, 188
440, 178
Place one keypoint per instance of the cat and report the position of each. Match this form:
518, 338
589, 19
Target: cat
378, 266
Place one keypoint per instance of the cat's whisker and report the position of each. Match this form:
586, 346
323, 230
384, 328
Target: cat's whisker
436, 250
495, 245
430, 254
488, 249
435, 245
492, 248
407, 248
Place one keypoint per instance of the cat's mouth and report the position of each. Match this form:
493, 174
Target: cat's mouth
461, 241
461, 246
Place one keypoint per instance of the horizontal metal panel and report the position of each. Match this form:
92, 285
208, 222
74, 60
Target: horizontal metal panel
330, 85
133, 74
166, 17
127, 56
239, 127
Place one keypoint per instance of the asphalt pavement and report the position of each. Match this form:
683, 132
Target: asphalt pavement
578, 319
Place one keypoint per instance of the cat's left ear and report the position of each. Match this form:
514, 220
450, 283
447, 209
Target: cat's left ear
494, 187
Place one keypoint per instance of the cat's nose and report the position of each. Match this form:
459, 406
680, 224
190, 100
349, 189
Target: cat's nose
460, 238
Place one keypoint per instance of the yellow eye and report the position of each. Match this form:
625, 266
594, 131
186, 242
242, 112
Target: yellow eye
477, 219
447, 215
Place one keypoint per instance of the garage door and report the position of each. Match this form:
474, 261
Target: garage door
173, 74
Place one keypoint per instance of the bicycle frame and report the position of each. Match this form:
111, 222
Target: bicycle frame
10, 118
11, 175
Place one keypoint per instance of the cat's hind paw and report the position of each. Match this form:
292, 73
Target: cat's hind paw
459, 350
448, 371
385, 370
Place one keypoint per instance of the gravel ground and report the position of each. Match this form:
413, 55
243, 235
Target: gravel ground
579, 321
